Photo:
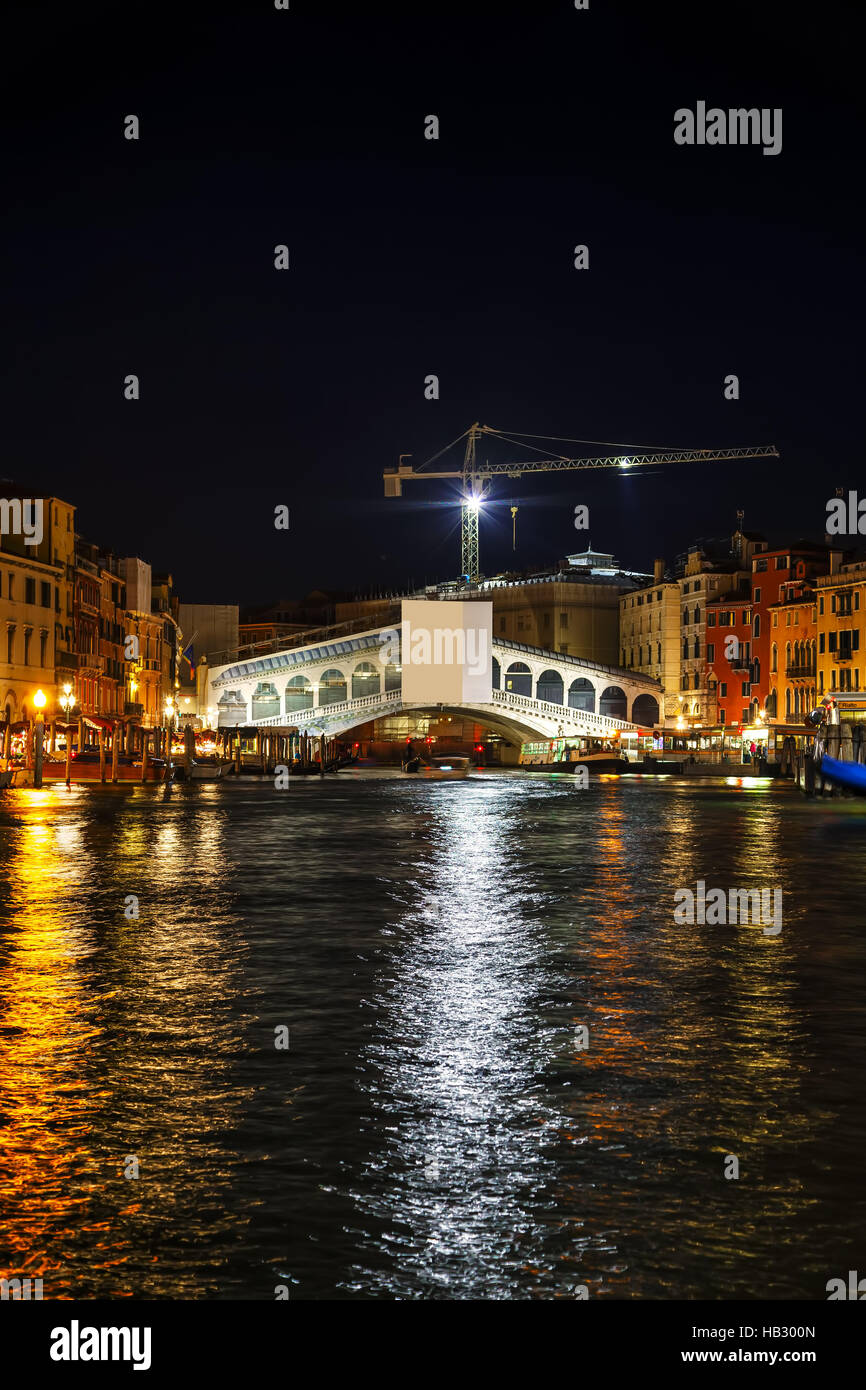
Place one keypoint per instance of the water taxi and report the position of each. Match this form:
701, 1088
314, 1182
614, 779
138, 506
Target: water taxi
597, 755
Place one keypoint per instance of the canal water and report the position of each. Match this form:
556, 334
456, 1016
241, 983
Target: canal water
434, 1128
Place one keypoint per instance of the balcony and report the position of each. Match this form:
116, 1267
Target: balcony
132, 710
844, 655
66, 661
801, 672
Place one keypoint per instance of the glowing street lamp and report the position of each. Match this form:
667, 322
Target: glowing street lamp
169, 723
40, 701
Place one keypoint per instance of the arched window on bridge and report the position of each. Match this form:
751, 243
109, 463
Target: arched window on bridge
266, 701
299, 694
549, 687
613, 703
393, 676
581, 695
232, 709
497, 675
645, 710
332, 686
518, 679
365, 680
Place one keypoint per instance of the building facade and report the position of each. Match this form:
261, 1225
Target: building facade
36, 622
649, 624
840, 656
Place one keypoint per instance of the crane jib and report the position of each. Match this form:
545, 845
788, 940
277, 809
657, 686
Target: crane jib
475, 476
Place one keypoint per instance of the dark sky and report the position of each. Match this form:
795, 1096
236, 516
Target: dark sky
411, 257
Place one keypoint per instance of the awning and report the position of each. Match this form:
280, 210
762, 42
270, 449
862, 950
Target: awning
95, 721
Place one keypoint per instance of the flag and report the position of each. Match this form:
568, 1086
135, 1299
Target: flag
189, 654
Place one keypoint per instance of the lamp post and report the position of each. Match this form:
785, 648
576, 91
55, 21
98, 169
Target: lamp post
67, 704
40, 701
169, 720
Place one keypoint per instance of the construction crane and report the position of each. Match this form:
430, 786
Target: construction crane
476, 477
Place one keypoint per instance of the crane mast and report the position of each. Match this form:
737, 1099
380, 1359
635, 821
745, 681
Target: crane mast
476, 478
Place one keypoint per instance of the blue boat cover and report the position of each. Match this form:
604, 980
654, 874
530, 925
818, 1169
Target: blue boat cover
851, 775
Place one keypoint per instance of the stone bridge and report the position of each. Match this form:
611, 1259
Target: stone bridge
332, 687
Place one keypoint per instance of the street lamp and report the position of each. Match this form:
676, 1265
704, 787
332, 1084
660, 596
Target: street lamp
40, 701
67, 704
169, 719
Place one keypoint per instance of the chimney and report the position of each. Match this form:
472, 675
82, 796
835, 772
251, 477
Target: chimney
658, 571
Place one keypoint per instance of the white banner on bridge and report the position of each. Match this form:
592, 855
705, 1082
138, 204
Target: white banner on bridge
446, 651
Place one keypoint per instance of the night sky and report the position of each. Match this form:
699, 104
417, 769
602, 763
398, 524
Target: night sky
411, 257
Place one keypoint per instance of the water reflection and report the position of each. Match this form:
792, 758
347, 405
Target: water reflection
463, 1119
434, 1130
116, 1039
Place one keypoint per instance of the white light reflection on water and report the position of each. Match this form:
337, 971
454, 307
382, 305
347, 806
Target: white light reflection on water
458, 1067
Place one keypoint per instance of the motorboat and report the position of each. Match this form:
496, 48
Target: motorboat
204, 771
601, 761
446, 769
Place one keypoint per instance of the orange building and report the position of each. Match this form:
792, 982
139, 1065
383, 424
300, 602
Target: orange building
793, 637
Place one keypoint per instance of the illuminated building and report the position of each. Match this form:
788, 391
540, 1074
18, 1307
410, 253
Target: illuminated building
841, 612
36, 609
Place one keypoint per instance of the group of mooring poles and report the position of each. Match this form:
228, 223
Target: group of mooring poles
278, 747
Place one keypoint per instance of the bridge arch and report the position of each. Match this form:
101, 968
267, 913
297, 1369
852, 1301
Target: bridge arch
581, 695
266, 700
332, 686
365, 680
550, 687
299, 694
518, 679
645, 710
613, 703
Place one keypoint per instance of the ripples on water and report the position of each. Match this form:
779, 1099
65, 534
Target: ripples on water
433, 1129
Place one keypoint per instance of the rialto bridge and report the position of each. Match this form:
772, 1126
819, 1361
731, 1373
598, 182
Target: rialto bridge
330, 687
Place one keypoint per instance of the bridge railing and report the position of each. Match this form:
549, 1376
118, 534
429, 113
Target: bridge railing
390, 699
337, 707
563, 713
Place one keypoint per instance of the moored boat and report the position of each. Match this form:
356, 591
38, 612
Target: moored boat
204, 771
851, 776
560, 755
